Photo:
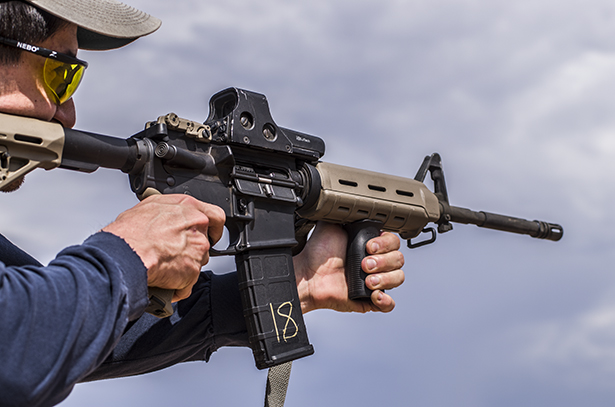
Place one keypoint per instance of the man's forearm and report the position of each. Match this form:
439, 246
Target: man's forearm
60, 321
212, 317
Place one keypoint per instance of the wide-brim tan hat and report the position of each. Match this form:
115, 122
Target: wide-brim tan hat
102, 24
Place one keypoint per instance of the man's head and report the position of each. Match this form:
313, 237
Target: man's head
38, 65
62, 26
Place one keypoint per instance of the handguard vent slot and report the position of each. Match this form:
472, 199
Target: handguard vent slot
405, 193
348, 183
377, 188
29, 139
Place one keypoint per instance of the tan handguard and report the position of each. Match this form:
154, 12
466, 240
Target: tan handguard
26, 144
348, 194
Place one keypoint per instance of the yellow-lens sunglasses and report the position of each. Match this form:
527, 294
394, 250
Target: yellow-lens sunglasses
61, 73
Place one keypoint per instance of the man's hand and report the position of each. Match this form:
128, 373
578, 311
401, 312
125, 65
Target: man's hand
321, 280
170, 234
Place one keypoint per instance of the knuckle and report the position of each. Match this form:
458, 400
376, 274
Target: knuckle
400, 259
204, 219
392, 240
189, 199
220, 212
218, 216
191, 266
206, 246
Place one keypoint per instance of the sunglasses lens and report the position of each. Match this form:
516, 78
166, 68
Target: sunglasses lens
62, 79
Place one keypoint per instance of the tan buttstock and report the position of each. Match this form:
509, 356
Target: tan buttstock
26, 144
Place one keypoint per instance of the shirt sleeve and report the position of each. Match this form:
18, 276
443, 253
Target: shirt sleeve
212, 317
61, 321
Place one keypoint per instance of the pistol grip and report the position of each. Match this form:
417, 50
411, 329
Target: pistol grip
359, 233
160, 302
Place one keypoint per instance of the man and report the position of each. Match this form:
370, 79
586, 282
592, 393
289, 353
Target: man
81, 317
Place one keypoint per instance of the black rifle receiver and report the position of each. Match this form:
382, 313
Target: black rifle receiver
241, 161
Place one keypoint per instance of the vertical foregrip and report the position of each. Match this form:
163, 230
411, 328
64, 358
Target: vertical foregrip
271, 306
359, 233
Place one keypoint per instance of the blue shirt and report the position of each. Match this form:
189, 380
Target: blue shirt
81, 318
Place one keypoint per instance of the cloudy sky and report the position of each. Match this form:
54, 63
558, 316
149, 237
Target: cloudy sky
517, 97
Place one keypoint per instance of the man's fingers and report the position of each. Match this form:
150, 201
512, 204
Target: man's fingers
383, 262
217, 218
172, 235
384, 243
182, 294
385, 281
382, 302
215, 215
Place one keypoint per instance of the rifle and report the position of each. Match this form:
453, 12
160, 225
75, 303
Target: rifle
273, 188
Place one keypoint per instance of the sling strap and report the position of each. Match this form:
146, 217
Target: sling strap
277, 384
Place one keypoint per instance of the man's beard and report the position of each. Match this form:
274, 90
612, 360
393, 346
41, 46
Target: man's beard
14, 186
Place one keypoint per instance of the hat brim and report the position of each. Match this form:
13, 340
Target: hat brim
102, 24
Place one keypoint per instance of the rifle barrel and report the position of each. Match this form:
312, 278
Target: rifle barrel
535, 228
